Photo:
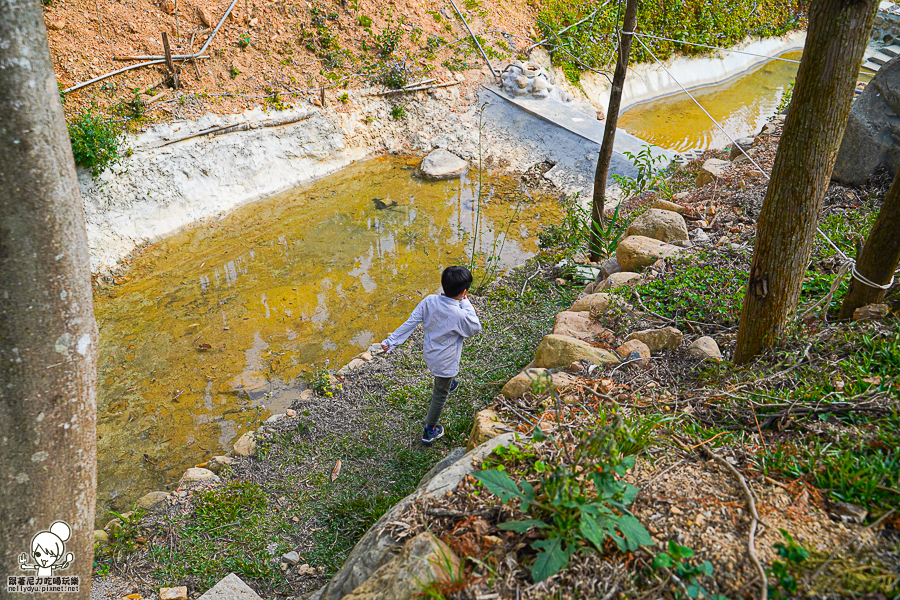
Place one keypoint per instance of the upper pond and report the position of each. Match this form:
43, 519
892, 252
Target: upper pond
742, 105
212, 329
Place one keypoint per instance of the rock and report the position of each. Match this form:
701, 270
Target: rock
616, 280
711, 170
874, 312
206, 17
745, 142
275, 418
377, 546
216, 463
153, 502
578, 325
173, 593
521, 383
667, 338
56, 23
442, 164
634, 349
849, 513
705, 347
246, 445
442, 464
198, 475
609, 267
597, 303
303, 570
100, 537
423, 560
662, 225
350, 366
681, 196
700, 236
167, 6
666, 205
636, 252
561, 350
483, 429
869, 140
307, 394
290, 413
291, 558
230, 587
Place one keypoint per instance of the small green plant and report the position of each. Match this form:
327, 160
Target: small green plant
793, 554
394, 74
234, 72
675, 560
96, 141
786, 98
125, 536
243, 40
321, 382
389, 39
398, 111
364, 21
650, 176
344, 98
577, 500
229, 503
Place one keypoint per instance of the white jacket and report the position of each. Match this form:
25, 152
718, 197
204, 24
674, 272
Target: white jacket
446, 322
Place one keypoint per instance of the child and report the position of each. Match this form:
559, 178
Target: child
447, 319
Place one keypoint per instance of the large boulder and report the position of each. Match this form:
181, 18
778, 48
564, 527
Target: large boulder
870, 138
230, 587
578, 325
521, 383
617, 280
667, 338
246, 445
198, 475
705, 347
153, 502
423, 560
484, 428
744, 143
378, 546
442, 164
562, 351
662, 225
637, 251
597, 303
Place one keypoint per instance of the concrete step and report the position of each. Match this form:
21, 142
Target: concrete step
893, 50
870, 66
879, 58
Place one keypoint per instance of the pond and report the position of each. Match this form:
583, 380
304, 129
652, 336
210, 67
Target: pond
213, 329
741, 105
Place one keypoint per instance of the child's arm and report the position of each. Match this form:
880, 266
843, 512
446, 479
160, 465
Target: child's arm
469, 324
403, 332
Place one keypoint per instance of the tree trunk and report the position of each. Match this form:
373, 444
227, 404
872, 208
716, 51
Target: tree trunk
879, 257
609, 131
48, 336
837, 36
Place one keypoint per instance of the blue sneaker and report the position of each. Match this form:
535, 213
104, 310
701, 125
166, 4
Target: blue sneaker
432, 433
454, 385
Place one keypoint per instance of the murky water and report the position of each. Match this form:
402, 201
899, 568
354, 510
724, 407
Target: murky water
742, 106
214, 327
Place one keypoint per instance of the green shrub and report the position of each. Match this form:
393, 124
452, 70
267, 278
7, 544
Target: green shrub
96, 141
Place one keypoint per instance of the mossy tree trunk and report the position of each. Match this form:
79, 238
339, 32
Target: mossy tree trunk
837, 36
879, 257
609, 130
48, 336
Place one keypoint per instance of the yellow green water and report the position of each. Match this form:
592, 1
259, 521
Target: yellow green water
214, 327
742, 106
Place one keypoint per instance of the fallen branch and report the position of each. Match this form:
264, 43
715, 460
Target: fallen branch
751, 506
413, 89
232, 128
161, 61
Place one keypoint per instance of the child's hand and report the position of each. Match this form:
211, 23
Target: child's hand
465, 295
385, 347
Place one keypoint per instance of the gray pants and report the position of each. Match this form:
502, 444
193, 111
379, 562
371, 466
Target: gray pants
438, 397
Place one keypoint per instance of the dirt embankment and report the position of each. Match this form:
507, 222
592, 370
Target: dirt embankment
265, 47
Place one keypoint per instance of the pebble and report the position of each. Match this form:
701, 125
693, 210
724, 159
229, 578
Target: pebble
291, 558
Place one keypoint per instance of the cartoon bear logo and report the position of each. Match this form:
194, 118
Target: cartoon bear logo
48, 549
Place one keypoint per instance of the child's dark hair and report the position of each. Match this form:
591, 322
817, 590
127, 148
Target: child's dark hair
455, 280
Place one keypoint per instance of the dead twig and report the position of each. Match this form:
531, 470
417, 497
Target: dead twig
413, 89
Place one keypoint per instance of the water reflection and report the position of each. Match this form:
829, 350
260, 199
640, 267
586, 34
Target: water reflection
216, 325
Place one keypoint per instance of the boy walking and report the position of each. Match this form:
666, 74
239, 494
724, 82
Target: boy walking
447, 319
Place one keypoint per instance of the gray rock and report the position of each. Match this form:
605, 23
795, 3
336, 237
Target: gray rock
291, 558
711, 170
230, 587
617, 280
609, 267
700, 236
454, 455
870, 136
442, 164
745, 142
705, 347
